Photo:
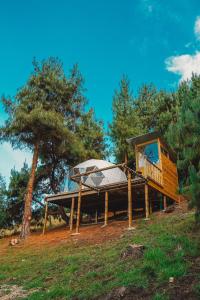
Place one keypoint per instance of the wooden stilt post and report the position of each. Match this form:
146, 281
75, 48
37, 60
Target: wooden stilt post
45, 217
79, 210
106, 209
146, 195
71, 215
150, 206
130, 213
96, 217
164, 202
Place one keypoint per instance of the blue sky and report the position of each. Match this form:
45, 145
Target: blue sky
149, 40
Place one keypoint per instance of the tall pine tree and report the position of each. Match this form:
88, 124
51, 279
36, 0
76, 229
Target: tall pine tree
41, 114
125, 123
184, 137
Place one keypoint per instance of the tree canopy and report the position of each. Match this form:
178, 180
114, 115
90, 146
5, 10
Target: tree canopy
45, 116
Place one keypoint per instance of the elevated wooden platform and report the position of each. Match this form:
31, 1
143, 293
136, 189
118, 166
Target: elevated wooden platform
93, 200
152, 185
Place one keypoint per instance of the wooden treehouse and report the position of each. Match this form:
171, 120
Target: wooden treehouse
104, 191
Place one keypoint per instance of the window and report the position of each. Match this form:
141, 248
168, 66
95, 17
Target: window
149, 152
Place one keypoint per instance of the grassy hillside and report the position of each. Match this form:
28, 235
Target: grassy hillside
82, 271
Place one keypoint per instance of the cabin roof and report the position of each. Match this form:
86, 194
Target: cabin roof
140, 139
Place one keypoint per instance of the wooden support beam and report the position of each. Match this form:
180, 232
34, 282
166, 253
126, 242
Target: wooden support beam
45, 217
79, 209
106, 209
130, 213
96, 217
71, 214
164, 202
146, 193
150, 206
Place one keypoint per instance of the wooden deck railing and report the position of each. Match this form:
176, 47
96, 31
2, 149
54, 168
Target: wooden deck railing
153, 171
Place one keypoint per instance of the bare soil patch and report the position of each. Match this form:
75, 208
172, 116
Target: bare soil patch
13, 292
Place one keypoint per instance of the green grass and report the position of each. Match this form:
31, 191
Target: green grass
68, 271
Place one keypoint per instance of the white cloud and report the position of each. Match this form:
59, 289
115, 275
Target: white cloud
184, 65
197, 28
12, 158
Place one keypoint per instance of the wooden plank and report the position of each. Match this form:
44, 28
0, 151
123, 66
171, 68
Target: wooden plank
160, 189
71, 214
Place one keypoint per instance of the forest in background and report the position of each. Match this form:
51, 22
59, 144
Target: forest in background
49, 116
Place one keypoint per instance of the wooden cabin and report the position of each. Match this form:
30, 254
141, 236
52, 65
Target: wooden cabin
149, 186
157, 163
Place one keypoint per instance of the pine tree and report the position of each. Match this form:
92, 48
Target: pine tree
3, 210
126, 122
42, 114
90, 131
184, 137
146, 107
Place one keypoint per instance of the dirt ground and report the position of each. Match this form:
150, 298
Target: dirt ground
89, 234
96, 234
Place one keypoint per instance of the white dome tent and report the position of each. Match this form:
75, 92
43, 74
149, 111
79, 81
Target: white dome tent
97, 179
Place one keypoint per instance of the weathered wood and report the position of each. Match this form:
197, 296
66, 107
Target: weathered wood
71, 214
106, 209
146, 201
130, 213
164, 202
45, 217
79, 209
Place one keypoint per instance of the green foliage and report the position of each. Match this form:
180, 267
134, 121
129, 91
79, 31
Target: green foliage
126, 122
176, 115
184, 137
3, 212
151, 110
90, 131
15, 194
48, 113
146, 108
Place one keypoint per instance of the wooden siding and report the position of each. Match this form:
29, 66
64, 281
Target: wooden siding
162, 177
170, 176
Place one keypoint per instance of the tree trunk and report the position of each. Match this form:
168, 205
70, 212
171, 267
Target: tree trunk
29, 195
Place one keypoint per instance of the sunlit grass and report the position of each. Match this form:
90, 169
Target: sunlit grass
64, 272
